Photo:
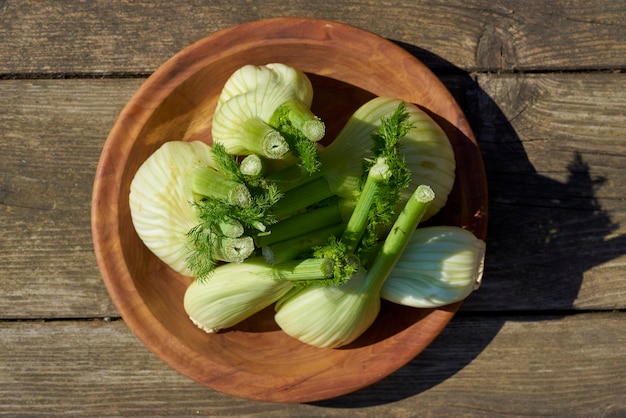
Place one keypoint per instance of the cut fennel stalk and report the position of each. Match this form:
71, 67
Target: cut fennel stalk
363, 224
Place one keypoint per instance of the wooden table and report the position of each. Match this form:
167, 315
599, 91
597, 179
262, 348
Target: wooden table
543, 85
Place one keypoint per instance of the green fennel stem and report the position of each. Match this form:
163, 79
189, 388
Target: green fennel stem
301, 224
235, 250
378, 174
206, 181
396, 241
218, 219
300, 117
301, 197
293, 176
291, 248
230, 228
344, 250
262, 139
301, 129
303, 270
251, 165
207, 248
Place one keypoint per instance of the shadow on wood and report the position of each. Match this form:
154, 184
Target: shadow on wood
536, 251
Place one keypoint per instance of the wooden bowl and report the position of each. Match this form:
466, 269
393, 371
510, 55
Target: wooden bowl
256, 360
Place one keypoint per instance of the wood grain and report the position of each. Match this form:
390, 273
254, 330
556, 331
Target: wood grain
551, 132
53, 132
554, 153
45, 121
105, 37
45, 367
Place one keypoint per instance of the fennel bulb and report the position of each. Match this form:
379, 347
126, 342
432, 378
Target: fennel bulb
252, 77
236, 291
261, 108
425, 147
441, 265
161, 199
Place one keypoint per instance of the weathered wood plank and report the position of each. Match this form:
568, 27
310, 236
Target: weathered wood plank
554, 153
542, 366
129, 37
556, 234
52, 136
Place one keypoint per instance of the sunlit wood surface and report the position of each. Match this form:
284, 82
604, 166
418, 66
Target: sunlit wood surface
543, 87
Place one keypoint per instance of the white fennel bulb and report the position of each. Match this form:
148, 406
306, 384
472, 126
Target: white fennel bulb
250, 77
440, 265
236, 291
329, 316
161, 199
426, 148
254, 104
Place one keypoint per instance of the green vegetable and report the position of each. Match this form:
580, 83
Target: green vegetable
441, 265
266, 215
208, 246
252, 165
383, 162
237, 291
333, 316
226, 200
208, 182
425, 147
193, 207
265, 110
292, 248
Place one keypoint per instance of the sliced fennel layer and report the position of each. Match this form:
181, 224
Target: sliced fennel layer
440, 265
161, 199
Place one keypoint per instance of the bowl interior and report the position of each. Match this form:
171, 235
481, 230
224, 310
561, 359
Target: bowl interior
256, 360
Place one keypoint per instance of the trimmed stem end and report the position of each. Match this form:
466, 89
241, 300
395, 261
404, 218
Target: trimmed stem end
314, 129
274, 145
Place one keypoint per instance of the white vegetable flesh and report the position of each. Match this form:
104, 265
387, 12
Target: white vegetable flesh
234, 292
160, 200
440, 265
329, 316
254, 77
